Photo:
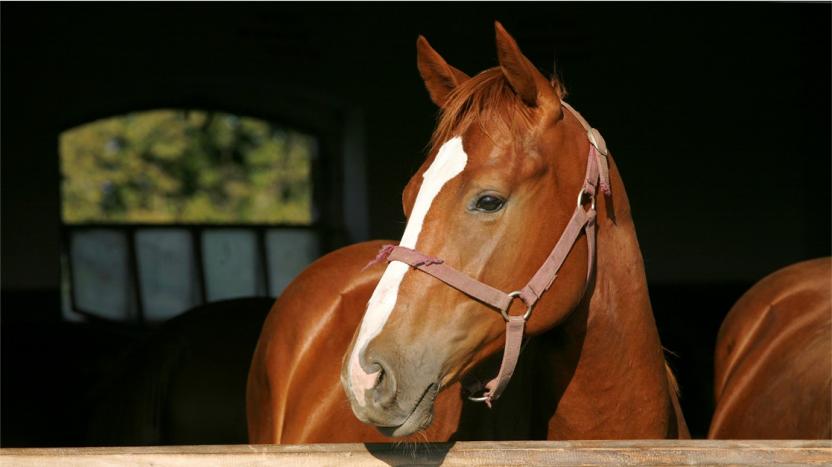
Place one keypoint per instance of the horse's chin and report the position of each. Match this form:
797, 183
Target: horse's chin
418, 420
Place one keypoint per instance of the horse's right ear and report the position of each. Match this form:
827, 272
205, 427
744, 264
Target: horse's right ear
440, 78
524, 77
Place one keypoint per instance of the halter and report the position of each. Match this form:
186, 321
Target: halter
583, 219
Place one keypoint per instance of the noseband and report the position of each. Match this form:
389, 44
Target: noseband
583, 219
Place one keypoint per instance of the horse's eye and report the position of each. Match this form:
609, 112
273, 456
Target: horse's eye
489, 203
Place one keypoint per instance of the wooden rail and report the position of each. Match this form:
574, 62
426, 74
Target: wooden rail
462, 453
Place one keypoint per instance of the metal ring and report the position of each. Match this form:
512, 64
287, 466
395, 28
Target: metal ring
477, 399
514, 295
581, 198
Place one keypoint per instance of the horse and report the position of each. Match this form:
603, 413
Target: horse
358, 352
773, 359
182, 384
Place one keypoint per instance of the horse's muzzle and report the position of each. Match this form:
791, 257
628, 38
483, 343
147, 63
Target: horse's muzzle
390, 405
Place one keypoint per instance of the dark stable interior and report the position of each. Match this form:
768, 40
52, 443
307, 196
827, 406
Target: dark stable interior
718, 117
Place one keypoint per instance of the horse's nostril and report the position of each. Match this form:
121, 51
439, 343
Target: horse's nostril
382, 373
384, 389
374, 368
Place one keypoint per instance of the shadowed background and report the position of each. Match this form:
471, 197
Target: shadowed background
718, 117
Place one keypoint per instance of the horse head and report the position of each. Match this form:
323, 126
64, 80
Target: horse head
497, 189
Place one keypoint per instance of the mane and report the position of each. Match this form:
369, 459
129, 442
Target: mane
486, 97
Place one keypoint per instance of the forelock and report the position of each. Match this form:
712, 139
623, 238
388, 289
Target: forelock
487, 100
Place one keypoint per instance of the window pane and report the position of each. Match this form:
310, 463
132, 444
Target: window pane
167, 271
100, 273
232, 266
289, 252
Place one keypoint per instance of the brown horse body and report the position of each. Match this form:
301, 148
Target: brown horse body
594, 367
773, 372
294, 394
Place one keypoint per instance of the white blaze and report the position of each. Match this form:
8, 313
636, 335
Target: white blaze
449, 162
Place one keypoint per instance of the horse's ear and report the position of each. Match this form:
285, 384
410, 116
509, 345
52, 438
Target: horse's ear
524, 77
440, 78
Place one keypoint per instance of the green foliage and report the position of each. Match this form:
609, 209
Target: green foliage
167, 166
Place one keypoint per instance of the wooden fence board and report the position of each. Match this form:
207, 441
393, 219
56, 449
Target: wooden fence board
651, 452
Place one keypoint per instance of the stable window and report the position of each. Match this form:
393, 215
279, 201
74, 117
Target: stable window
167, 209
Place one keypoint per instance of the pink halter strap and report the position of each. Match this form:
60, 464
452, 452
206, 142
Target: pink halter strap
583, 219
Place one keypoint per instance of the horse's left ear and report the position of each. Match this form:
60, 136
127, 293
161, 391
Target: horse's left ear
524, 77
440, 78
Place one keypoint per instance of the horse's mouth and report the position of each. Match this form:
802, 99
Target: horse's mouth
419, 419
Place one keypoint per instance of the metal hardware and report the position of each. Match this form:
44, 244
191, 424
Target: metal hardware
597, 140
513, 295
581, 198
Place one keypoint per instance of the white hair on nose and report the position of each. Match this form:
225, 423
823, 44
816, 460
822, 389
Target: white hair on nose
450, 161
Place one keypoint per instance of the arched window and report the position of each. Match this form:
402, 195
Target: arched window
167, 209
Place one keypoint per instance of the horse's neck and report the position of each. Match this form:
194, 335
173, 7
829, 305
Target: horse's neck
608, 359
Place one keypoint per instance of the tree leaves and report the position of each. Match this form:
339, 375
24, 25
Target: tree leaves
176, 166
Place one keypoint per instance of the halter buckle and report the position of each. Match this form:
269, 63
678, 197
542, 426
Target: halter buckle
597, 140
514, 295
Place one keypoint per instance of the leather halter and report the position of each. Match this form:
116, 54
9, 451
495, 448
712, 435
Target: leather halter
583, 219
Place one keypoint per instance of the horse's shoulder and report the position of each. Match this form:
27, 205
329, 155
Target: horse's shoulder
329, 293
795, 299
307, 328
344, 262
328, 279
806, 280
776, 337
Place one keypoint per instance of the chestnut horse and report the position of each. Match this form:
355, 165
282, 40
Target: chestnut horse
773, 377
491, 201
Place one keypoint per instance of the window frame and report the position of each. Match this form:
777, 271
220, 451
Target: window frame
336, 138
